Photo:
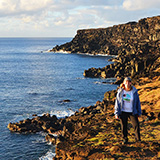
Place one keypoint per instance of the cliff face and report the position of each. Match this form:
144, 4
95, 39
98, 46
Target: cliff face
137, 45
130, 38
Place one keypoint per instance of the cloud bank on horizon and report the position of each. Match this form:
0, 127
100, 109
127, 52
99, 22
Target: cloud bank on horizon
62, 18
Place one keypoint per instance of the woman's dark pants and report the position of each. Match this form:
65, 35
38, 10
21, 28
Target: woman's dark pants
135, 123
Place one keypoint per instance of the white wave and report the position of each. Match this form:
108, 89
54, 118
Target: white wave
80, 78
111, 79
61, 114
39, 140
88, 54
58, 113
61, 51
96, 55
105, 81
48, 156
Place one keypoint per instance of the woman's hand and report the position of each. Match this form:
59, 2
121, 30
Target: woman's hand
116, 117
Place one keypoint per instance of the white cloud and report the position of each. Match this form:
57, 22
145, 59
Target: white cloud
27, 19
140, 4
34, 4
11, 8
64, 17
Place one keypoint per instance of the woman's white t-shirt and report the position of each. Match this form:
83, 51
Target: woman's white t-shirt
127, 101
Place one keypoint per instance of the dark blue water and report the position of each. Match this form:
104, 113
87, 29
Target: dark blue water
35, 82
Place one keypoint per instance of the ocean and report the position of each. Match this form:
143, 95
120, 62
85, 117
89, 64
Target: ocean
34, 81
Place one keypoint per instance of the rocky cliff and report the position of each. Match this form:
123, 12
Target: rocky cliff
136, 44
130, 38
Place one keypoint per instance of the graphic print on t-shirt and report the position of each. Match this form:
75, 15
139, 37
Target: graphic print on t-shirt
127, 97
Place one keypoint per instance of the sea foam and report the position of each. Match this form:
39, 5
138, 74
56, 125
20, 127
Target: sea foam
48, 156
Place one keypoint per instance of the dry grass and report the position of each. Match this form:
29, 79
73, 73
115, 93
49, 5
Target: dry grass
149, 94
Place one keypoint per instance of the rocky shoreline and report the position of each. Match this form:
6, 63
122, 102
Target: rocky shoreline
92, 132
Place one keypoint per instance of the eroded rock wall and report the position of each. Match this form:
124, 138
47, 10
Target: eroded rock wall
127, 38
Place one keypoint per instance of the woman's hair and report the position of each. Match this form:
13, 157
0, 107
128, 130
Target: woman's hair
122, 85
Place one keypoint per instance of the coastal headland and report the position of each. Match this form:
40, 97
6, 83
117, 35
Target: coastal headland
92, 132
136, 45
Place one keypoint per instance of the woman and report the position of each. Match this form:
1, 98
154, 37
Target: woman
128, 105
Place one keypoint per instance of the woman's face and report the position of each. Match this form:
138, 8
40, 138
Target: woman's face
127, 85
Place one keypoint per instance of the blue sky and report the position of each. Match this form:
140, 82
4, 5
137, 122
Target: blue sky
62, 18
